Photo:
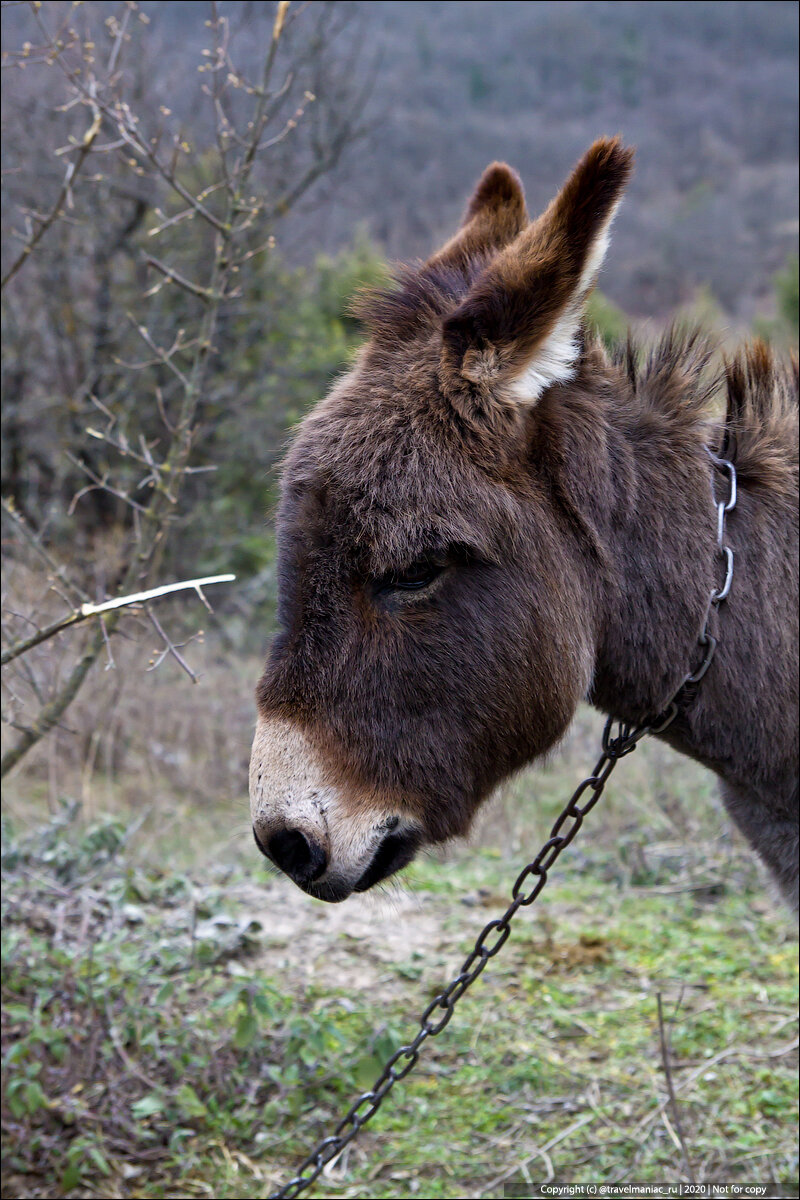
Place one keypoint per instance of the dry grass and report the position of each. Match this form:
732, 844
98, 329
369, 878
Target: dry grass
139, 736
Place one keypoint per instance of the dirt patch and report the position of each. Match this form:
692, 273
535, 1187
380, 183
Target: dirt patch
314, 943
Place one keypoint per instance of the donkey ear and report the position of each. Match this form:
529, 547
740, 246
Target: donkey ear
495, 215
517, 330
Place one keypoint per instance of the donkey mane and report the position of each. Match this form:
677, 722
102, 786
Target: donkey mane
677, 384
761, 420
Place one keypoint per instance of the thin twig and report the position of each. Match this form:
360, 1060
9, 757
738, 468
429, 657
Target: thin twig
262, 113
170, 648
100, 484
164, 356
542, 1151
130, 1065
196, 289
92, 610
58, 569
673, 1103
46, 222
50, 715
118, 40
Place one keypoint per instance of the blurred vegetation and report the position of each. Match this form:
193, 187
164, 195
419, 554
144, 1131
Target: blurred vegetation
788, 288
782, 329
607, 320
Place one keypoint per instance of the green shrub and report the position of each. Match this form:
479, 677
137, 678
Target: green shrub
607, 320
783, 328
786, 286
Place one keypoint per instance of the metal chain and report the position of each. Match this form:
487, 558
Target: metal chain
707, 642
533, 877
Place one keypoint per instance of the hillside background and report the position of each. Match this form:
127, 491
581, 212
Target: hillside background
707, 92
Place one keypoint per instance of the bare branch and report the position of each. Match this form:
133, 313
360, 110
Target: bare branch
170, 648
99, 484
203, 293
262, 108
119, 116
92, 610
51, 714
118, 40
163, 356
673, 1103
141, 147
55, 211
58, 569
239, 221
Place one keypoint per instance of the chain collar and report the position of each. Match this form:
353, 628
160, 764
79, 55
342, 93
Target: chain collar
706, 642
619, 739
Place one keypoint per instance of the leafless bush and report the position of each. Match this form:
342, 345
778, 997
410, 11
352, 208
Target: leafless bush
159, 216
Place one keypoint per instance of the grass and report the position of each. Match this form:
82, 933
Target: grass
190, 1032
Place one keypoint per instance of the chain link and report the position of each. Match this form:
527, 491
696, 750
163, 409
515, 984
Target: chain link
619, 738
706, 642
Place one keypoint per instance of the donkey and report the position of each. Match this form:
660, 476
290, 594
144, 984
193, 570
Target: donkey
489, 519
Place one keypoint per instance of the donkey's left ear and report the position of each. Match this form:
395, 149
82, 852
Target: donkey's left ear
516, 333
496, 214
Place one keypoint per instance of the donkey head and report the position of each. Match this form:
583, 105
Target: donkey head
435, 632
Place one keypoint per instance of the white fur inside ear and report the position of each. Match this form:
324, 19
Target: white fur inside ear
597, 252
555, 360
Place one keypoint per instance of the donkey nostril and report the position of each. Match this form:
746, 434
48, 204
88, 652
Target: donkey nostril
303, 859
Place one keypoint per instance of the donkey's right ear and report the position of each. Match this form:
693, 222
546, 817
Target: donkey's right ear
495, 215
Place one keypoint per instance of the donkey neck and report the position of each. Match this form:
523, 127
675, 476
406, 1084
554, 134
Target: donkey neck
644, 499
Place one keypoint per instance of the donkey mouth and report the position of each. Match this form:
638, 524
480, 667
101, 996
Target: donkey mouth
395, 852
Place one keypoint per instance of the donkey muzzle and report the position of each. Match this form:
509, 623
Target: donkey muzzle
328, 842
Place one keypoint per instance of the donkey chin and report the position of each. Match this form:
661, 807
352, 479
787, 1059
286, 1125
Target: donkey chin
328, 842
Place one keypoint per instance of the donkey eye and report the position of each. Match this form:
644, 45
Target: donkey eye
413, 579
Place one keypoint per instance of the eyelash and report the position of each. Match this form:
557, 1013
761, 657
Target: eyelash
415, 578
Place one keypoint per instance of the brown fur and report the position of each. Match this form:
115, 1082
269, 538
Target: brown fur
575, 536
528, 285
